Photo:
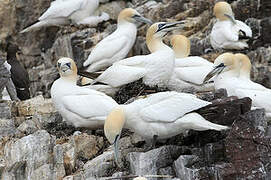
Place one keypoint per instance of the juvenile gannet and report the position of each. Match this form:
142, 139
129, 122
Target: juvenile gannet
19, 74
155, 68
62, 12
159, 116
116, 46
233, 74
80, 106
189, 72
228, 33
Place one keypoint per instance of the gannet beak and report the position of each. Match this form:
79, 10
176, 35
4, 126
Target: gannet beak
216, 71
116, 149
230, 18
58, 65
142, 19
172, 26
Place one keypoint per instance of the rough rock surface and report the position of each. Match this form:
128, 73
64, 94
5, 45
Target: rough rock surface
35, 143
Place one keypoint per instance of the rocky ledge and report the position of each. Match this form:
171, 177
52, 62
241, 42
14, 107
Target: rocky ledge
36, 144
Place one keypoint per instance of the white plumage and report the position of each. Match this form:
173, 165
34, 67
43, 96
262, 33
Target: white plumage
155, 68
62, 12
228, 33
166, 114
189, 72
225, 35
163, 114
234, 77
116, 46
80, 106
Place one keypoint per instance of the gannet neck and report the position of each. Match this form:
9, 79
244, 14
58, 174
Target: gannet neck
245, 65
125, 24
155, 44
222, 8
114, 124
71, 79
181, 46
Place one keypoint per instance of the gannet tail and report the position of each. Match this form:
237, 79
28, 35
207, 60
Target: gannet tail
34, 26
198, 123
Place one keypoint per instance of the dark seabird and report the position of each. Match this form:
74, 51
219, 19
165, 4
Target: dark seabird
19, 75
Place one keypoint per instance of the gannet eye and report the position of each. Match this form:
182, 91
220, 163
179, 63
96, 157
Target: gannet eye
58, 65
221, 65
160, 26
69, 65
135, 16
242, 33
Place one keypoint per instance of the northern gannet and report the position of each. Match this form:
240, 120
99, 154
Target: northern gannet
189, 72
155, 68
19, 74
63, 12
108, 90
116, 46
228, 33
80, 106
233, 74
159, 116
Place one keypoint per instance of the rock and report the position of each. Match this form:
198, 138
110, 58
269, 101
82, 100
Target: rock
28, 127
182, 164
37, 105
87, 146
260, 59
59, 162
69, 158
151, 161
247, 148
100, 166
54, 124
5, 109
113, 8
167, 171
30, 157
137, 140
7, 128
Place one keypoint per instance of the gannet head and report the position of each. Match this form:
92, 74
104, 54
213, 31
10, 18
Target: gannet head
113, 126
223, 11
131, 15
180, 45
223, 63
245, 64
159, 30
66, 67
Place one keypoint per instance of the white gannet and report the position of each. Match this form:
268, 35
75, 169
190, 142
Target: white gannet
108, 90
80, 106
155, 68
116, 46
189, 72
159, 116
228, 33
63, 12
234, 76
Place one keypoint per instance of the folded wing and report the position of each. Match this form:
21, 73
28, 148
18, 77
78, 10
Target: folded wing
167, 107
